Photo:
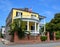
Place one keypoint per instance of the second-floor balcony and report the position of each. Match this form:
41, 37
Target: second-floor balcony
31, 17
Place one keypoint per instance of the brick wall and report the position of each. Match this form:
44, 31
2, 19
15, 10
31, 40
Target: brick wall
27, 39
31, 39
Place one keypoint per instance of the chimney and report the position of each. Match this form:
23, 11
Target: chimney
30, 10
26, 9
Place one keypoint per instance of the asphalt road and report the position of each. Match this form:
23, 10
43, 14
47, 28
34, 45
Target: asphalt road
56, 44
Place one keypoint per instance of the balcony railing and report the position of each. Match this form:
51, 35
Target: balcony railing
17, 17
32, 31
32, 17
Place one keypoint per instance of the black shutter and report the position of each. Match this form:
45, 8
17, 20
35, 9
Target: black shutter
21, 13
16, 13
26, 27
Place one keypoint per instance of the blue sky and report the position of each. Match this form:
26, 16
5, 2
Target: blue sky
45, 8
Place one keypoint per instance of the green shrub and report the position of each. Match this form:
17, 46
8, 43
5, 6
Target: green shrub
1, 36
43, 38
21, 34
57, 35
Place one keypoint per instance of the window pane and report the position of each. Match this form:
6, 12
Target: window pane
18, 13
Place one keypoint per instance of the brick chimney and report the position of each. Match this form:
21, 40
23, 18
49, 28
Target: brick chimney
26, 9
30, 10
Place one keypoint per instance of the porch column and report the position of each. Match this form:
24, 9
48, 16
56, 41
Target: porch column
35, 27
38, 27
27, 25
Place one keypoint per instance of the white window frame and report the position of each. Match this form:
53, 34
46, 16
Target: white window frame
18, 13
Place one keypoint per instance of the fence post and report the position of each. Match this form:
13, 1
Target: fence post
48, 37
16, 39
54, 36
38, 37
28, 36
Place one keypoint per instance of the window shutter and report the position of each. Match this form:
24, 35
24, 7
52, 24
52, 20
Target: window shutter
16, 13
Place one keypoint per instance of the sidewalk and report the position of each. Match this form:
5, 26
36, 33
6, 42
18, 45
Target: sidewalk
45, 42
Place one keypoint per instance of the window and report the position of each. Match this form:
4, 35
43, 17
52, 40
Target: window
18, 13
32, 28
33, 15
26, 27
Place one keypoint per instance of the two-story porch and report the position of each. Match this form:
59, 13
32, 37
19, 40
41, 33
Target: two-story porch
31, 24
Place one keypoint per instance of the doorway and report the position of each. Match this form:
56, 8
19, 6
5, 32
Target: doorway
51, 34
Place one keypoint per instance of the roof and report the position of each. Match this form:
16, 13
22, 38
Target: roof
27, 10
23, 9
41, 17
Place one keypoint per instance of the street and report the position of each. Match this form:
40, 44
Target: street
57, 44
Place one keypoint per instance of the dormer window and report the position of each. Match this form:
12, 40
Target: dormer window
18, 13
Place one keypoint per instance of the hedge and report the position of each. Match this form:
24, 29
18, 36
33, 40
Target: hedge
43, 38
57, 35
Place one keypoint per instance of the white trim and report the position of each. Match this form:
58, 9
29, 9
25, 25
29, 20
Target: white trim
26, 17
38, 27
30, 20
17, 17
35, 26
35, 32
44, 26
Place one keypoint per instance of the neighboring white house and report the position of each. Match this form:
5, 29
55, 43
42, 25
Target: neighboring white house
3, 29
